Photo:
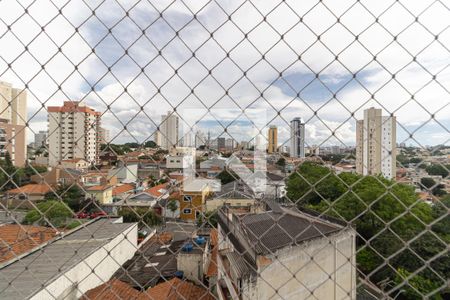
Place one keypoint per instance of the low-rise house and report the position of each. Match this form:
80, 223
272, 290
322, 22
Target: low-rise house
76, 163
125, 172
150, 170
180, 158
72, 263
122, 191
24, 196
58, 175
260, 252
102, 193
193, 197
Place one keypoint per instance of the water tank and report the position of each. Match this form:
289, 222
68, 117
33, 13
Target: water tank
188, 247
179, 274
200, 240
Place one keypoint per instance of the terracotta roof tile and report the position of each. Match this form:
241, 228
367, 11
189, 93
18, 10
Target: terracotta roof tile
99, 187
32, 188
122, 189
18, 239
113, 289
176, 289
155, 191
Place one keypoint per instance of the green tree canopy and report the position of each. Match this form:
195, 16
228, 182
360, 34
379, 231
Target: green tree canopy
55, 212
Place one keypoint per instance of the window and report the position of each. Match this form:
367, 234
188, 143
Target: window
187, 211
187, 198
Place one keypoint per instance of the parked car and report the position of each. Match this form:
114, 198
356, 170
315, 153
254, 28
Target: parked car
97, 214
82, 215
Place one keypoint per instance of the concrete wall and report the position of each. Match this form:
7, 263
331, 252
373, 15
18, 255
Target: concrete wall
79, 279
192, 265
330, 274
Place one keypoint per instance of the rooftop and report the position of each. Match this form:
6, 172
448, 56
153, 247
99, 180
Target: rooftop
32, 188
112, 289
272, 230
58, 256
18, 239
175, 289
122, 189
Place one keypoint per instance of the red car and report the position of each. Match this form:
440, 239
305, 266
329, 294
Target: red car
97, 214
82, 215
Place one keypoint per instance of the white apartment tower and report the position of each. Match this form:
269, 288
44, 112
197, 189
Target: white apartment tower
167, 136
297, 138
13, 119
376, 144
73, 132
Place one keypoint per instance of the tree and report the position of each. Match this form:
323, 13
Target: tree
372, 203
436, 169
54, 212
208, 219
281, 162
419, 283
144, 216
150, 144
172, 206
226, 176
72, 195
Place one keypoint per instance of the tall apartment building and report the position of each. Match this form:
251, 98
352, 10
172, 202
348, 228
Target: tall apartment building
73, 132
297, 148
167, 136
273, 139
376, 144
40, 139
13, 117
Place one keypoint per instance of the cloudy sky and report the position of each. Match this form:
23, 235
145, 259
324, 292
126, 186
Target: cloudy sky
234, 63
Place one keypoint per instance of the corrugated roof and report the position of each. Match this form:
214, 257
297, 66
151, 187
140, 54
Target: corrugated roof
270, 231
238, 263
21, 279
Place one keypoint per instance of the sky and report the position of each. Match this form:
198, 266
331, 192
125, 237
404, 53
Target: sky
235, 63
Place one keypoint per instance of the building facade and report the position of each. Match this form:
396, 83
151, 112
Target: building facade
73, 132
260, 252
40, 139
297, 148
273, 140
167, 136
376, 144
13, 119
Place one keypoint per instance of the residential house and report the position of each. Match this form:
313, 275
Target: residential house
24, 196
193, 197
125, 172
70, 264
259, 252
75, 163
122, 191
102, 193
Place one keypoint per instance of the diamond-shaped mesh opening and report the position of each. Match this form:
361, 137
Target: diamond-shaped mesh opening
224, 150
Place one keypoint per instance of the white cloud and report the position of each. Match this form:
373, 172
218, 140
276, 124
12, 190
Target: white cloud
245, 55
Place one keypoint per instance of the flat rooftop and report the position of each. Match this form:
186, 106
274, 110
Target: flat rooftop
23, 277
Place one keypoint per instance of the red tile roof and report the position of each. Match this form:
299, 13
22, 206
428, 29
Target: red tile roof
154, 191
122, 189
176, 289
113, 289
18, 239
99, 187
39, 189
